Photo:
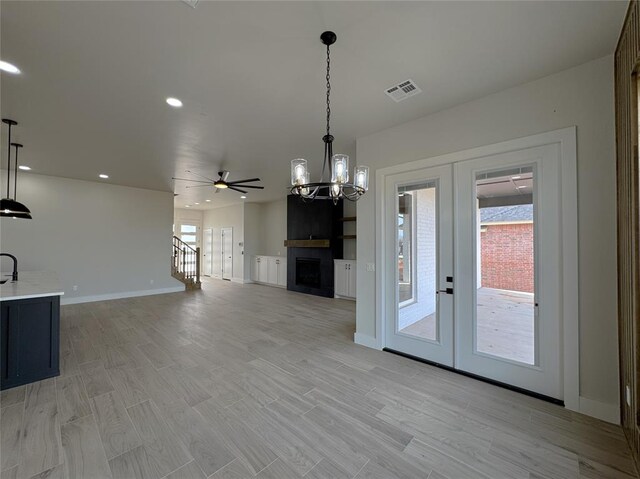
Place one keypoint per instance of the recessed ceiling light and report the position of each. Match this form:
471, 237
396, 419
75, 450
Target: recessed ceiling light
24, 167
9, 68
174, 102
103, 176
187, 206
243, 197
208, 201
521, 186
515, 177
196, 203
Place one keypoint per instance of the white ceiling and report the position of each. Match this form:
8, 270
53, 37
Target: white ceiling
251, 76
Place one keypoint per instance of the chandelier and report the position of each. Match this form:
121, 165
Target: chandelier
335, 167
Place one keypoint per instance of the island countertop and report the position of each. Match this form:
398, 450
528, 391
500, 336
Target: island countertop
30, 284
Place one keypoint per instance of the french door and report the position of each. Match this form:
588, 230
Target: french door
227, 253
472, 273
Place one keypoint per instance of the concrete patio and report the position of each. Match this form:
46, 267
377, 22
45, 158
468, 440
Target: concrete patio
505, 325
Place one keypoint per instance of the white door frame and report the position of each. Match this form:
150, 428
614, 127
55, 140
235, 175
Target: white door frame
566, 139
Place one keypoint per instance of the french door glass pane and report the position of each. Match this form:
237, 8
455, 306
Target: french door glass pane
505, 323
417, 264
187, 228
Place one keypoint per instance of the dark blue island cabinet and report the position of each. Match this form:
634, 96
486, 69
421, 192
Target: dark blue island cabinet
29, 340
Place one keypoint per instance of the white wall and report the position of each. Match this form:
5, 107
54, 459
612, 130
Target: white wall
108, 240
253, 235
581, 96
228, 217
273, 217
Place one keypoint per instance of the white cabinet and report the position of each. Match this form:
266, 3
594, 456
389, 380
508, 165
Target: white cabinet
282, 272
263, 269
271, 270
255, 269
344, 279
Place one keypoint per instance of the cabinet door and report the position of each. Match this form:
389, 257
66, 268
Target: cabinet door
263, 270
352, 280
282, 272
341, 287
272, 271
30, 339
255, 269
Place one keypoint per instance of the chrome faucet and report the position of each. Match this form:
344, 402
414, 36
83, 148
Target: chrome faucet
14, 275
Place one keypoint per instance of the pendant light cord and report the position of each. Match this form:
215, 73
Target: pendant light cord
15, 174
327, 139
9, 162
328, 90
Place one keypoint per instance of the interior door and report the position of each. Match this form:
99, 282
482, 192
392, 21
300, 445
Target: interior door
419, 263
227, 253
508, 279
207, 254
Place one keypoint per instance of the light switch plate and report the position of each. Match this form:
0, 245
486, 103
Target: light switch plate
371, 266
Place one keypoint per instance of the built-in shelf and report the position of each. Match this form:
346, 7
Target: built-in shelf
347, 237
347, 218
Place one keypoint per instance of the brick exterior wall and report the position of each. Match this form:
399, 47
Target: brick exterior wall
507, 257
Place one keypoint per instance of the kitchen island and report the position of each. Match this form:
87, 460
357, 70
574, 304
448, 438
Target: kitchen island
29, 328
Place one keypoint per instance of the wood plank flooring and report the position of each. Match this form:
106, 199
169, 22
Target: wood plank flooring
242, 381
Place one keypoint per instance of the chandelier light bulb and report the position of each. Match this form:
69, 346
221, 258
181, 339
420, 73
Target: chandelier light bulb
361, 177
299, 174
339, 168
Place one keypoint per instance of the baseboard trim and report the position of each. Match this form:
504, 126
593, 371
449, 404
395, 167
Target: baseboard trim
237, 280
122, 295
366, 340
601, 410
269, 284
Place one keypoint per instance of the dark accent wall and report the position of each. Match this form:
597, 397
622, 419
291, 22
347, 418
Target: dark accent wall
317, 219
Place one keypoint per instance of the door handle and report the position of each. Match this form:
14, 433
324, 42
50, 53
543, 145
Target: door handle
446, 291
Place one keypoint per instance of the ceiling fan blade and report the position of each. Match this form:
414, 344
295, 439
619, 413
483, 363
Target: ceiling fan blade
187, 179
249, 180
196, 174
248, 186
236, 189
218, 190
224, 174
199, 186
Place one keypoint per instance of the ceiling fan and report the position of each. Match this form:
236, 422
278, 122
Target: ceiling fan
221, 183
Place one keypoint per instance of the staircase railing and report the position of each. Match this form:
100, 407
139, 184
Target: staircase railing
185, 260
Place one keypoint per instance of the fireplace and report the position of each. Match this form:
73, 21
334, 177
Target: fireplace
310, 263
308, 272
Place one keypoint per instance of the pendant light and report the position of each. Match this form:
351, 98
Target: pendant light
336, 165
11, 207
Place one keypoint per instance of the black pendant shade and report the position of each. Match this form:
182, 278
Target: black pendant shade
14, 209
9, 207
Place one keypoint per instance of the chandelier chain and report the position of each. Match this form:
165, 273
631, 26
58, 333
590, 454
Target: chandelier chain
328, 89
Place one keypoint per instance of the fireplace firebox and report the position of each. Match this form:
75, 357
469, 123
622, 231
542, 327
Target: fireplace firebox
308, 272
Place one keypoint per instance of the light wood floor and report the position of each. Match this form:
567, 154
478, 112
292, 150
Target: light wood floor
241, 381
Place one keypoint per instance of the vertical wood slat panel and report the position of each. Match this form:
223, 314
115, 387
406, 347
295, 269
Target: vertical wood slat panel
627, 59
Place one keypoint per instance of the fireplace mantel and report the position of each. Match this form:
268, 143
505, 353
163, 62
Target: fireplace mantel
310, 243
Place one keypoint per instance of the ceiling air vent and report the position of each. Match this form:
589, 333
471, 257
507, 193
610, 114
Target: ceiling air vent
402, 90
191, 3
